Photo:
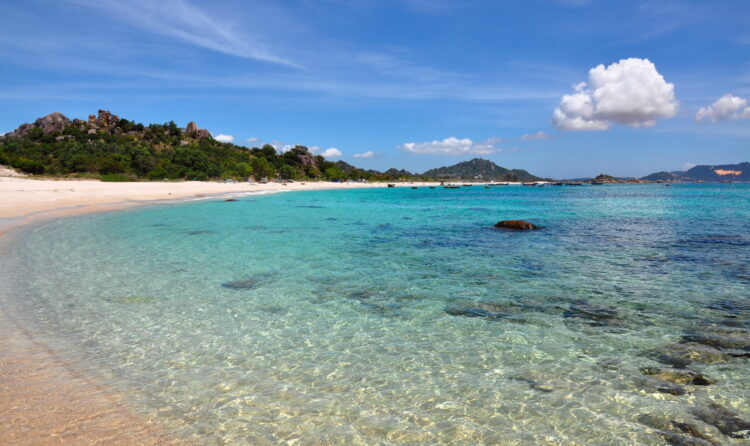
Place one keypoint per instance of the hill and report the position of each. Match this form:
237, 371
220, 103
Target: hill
109, 147
479, 168
724, 172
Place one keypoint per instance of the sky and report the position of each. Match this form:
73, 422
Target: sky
561, 88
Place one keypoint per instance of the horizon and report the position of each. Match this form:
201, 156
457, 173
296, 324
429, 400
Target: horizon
407, 84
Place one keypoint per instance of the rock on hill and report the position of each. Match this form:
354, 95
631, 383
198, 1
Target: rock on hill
724, 172
480, 169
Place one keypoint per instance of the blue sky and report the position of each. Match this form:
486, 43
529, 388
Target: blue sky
411, 84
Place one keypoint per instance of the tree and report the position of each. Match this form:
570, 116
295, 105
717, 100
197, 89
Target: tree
288, 172
335, 173
262, 168
244, 170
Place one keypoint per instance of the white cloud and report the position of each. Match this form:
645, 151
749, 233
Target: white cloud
331, 153
224, 138
452, 146
629, 92
538, 135
727, 107
253, 139
368, 154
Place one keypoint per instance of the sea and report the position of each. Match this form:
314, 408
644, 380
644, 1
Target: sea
402, 316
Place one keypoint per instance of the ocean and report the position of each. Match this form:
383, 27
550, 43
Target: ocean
402, 316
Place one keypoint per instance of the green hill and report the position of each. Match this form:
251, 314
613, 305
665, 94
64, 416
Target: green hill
480, 169
109, 147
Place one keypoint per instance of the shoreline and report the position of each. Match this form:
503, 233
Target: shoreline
46, 399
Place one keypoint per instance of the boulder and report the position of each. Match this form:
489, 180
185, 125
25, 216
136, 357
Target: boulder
516, 225
584, 310
678, 376
728, 422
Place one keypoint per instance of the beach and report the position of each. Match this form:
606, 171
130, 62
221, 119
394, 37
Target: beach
374, 315
45, 398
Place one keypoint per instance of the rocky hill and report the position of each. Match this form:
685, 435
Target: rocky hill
109, 147
480, 169
724, 172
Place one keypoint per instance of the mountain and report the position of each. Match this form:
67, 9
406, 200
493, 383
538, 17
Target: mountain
724, 172
479, 168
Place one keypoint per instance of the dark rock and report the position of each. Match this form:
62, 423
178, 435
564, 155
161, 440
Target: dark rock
661, 386
584, 310
230, 199
533, 384
676, 439
721, 337
732, 307
679, 376
686, 352
726, 421
516, 225
249, 283
203, 231
693, 430
474, 312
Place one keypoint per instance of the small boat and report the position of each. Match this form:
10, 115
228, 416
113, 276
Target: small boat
468, 185
486, 187
391, 185
414, 187
597, 183
451, 187
432, 187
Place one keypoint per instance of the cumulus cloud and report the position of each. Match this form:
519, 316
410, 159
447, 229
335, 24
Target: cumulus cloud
538, 135
452, 146
629, 92
331, 153
726, 108
224, 138
368, 154
253, 139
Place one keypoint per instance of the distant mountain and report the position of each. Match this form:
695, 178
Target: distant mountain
724, 172
483, 169
396, 173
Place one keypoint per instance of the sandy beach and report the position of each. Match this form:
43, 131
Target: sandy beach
46, 400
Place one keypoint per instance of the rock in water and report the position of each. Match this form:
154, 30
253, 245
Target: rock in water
728, 422
474, 312
679, 376
584, 310
516, 225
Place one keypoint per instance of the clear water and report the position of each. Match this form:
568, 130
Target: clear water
341, 336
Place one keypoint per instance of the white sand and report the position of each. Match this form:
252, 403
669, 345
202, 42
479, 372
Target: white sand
25, 197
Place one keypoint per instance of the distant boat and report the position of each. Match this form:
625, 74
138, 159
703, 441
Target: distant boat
486, 187
529, 184
414, 187
452, 187
597, 183
468, 185
432, 187
391, 185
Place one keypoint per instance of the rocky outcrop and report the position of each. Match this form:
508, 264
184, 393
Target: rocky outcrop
193, 131
53, 122
516, 225
678, 376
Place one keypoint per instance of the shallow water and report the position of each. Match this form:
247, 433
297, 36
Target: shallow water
334, 317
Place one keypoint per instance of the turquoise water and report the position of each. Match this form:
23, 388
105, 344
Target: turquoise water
340, 317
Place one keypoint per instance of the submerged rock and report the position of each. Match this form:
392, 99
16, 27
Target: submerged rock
249, 283
584, 310
230, 199
533, 384
661, 386
677, 432
721, 337
679, 376
682, 354
516, 225
726, 421
474, 312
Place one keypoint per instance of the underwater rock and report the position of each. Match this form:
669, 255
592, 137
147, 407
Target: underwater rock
676, 439
678, 376
733, 308
728, 422
230, 199
721, 337
584, 310
204, 231
516, 225
249, 283
474, 312
533, 384
687, 352
676, 432
661, 386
